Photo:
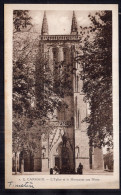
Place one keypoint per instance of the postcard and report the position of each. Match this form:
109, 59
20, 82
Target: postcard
61, 96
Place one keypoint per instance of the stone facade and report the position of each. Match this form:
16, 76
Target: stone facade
62, 48
68, 122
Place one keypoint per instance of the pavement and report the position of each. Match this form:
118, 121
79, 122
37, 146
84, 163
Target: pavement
97, 172
85, 172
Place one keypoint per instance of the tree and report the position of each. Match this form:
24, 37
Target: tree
52, 84
97, 77
36, 92
23, 80
21, 20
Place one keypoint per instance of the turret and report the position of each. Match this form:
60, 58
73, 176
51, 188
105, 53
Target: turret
74, 28
44, 29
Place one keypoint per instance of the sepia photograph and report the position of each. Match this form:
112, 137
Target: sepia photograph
61, 82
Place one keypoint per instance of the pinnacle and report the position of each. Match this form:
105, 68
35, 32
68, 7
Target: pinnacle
44, 30
74, 28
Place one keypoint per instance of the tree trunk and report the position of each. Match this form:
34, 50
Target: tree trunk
22, 165
16, 163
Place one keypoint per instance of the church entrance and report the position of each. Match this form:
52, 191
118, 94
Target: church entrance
62, 156
65, 159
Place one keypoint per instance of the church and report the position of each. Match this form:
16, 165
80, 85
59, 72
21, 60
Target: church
68, 144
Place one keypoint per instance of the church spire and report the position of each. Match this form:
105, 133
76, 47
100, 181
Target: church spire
74, 28
44, 30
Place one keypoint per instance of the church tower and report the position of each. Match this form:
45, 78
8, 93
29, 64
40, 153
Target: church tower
66, 145
68, 124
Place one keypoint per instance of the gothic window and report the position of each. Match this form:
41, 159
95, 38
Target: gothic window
77, 115
76, 83
78, 118
64, 54
77, 78
77, 151
55, 55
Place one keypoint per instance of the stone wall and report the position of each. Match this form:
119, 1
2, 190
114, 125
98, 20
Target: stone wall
58, 49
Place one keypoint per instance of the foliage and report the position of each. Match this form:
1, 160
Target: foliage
37, 90
23, 78
108, 160
97, 77
21, 20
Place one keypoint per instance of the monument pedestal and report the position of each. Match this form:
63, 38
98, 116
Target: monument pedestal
45, 165
37, 164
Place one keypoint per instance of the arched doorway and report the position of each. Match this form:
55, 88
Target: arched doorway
65, 159
61, 157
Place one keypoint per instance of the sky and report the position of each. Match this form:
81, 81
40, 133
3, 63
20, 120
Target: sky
59, 22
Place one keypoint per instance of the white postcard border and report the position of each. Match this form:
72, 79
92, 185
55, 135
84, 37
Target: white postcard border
58, 181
